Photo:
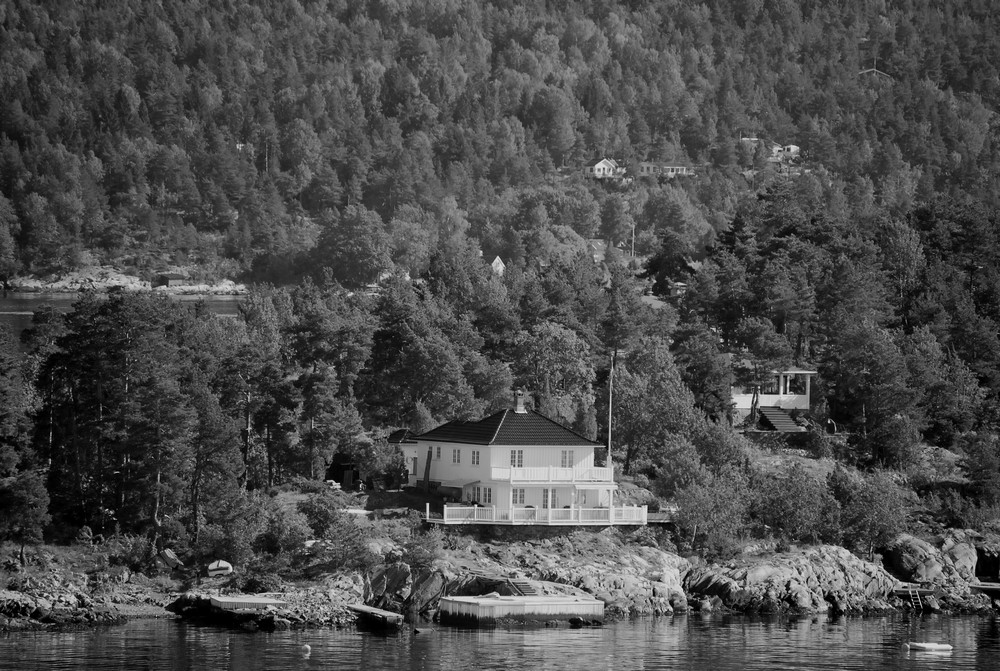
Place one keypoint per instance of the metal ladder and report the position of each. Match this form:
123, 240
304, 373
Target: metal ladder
915, 598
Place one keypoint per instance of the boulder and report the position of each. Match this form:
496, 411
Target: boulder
813, 580
914, 560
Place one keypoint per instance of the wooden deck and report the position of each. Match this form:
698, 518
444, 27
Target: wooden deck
246, 602
491, 609
376, 616
568, 516
990, 588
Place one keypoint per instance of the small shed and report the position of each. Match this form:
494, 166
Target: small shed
171, 280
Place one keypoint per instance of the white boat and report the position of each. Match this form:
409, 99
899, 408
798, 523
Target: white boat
219, 567
935, 647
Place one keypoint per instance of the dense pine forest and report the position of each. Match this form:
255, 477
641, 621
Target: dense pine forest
361, 163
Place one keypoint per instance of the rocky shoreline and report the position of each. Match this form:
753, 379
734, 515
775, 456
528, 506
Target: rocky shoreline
106, 278
632, 581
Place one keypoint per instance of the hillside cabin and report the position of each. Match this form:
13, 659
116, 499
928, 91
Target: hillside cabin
605, 168
655, 170
171, 280
775, 401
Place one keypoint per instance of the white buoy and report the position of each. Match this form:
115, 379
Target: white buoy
306, 650
930, 647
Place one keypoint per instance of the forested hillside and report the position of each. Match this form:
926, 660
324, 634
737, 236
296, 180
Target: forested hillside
248, 137
319, 147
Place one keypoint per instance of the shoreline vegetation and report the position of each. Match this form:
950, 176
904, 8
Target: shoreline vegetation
100, 583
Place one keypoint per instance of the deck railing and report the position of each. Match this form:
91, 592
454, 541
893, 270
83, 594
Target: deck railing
570, 515
551, 474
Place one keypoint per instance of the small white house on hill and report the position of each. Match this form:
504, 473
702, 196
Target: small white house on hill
516, 467
786, 391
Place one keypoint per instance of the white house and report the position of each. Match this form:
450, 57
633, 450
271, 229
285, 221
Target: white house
605, 168
516, 467
652, 169
787, 391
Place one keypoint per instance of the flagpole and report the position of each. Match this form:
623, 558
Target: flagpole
611, 386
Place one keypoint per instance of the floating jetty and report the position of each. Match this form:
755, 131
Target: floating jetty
990, 588
248, 602
377, 616
491, 609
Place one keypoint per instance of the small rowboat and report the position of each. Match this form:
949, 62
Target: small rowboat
935, 647
219, 567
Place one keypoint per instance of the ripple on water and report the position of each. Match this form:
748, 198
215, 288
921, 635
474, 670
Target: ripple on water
715, 643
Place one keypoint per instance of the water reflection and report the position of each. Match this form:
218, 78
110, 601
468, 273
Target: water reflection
717, 643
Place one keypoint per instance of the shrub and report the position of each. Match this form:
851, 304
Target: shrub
713, 513
133, 551
285, 532
422, 549
323, 510
797, 506
873, 507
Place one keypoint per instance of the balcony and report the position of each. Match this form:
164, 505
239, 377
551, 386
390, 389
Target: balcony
784, 401
551, 474
568, 516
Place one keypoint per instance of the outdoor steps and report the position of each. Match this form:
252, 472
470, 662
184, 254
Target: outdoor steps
780, 420
523, 587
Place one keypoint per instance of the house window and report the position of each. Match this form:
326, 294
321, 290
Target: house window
487, 495
438, 453
517, 497
456, 456
478, 492
475, 457
545, 498
517, 458
567, 460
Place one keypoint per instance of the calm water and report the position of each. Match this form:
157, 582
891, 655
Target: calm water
684, 642
16, 307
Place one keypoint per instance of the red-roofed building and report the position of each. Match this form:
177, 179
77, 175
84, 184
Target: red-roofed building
516, 467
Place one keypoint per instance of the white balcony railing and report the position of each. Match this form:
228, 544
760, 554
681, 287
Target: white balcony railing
551, 474
571, 515
786, 401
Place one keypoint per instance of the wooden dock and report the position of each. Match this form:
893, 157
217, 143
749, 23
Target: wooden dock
376, 616
245, 602
990, 588
492, 609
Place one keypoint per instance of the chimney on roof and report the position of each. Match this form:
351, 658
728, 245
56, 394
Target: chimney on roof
519, 402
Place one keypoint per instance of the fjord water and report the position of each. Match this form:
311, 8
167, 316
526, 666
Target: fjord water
16, 307
716, 643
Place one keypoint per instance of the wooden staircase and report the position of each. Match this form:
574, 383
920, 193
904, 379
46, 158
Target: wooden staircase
780, 420
522, 587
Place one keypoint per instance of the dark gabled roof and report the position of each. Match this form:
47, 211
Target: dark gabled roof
507, 428
400, 436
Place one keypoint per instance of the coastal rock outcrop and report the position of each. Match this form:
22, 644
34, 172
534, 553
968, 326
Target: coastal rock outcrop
946, 563
631, 580
821, 579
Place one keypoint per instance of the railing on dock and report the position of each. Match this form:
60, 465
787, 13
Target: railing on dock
570, 515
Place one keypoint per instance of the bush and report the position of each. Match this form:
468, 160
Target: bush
324, 510
422, 549
348, 545
286, 530
713, 513
797, 506
873, 507
131, 551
